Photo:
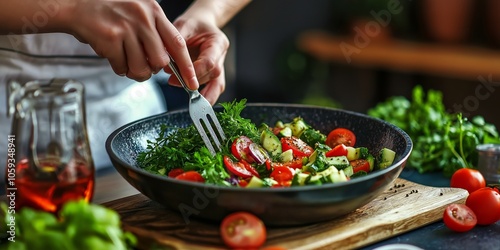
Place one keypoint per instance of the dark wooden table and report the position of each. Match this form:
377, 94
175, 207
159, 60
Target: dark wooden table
111, 186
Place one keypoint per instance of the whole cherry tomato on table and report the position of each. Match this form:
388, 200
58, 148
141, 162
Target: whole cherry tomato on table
459, 217
485, 202
243, 230
469, 179
341, 136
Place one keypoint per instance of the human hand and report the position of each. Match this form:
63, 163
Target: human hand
208, 46
134, 35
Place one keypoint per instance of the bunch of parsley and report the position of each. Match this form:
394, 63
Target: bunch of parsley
184, 148
442, 141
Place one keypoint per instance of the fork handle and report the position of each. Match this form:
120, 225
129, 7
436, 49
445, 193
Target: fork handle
177, 73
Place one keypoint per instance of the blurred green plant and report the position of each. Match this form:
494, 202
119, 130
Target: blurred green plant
441, 141
80, 225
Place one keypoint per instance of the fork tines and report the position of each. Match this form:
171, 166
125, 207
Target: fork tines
207, 123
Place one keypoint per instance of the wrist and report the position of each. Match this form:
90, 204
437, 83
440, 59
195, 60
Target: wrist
63, 16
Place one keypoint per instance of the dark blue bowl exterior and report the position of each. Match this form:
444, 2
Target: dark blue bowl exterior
279, 207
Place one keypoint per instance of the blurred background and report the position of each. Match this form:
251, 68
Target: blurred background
353, 54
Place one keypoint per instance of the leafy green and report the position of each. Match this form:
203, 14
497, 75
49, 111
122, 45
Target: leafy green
80, 226
175, 147
442, 141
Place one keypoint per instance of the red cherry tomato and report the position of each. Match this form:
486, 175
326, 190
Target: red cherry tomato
175, 172
459, 217
237, 168
283, 175
298, 146
190, 176
341, 136
242, 183
485, 202
360, 165
250, 168
469, 179
274, 248
242, 230
296, 163
339, 150
240, 149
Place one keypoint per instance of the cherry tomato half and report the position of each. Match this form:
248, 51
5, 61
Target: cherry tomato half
298, 146
469, 179
296, 163
360, 165
250, 168
240, 149
190, 176
341, 136
175, 172
283, 175
459, 217
485, 202
242, 230
339, 150
237, 168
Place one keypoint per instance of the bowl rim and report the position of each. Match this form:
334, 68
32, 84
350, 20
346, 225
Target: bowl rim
373, 175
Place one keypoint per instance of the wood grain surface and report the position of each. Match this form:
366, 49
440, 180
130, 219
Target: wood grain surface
403, 207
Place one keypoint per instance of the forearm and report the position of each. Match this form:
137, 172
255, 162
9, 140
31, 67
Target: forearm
30, 16
217, 11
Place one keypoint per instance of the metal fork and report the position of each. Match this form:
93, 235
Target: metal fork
202, 114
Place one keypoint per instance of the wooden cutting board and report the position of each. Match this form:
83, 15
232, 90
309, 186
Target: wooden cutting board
403, 207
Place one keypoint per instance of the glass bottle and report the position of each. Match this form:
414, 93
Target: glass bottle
49, 161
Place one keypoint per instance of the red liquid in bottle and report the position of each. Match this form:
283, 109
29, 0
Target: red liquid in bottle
50, 188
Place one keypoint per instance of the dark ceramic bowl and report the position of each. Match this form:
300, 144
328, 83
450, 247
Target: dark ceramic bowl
275, 206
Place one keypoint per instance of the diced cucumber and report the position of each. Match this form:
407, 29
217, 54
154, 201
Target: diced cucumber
348, 171
340, 162
315, 182
270, 142
386, 158
263, 127
362, 152
352, 153
310, 165
357, 153
255, 182
300, 179
371, 161
279, 124
286, 156
330, 175
285, 132
312, 137
298, 126
340, 176
324, 173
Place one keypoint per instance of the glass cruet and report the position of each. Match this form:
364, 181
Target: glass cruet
52, 163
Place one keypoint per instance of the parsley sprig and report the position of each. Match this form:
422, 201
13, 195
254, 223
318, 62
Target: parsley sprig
184, 148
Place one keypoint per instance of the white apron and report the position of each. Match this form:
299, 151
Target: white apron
111, 100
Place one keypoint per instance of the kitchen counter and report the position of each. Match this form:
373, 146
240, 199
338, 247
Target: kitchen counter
111, 186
